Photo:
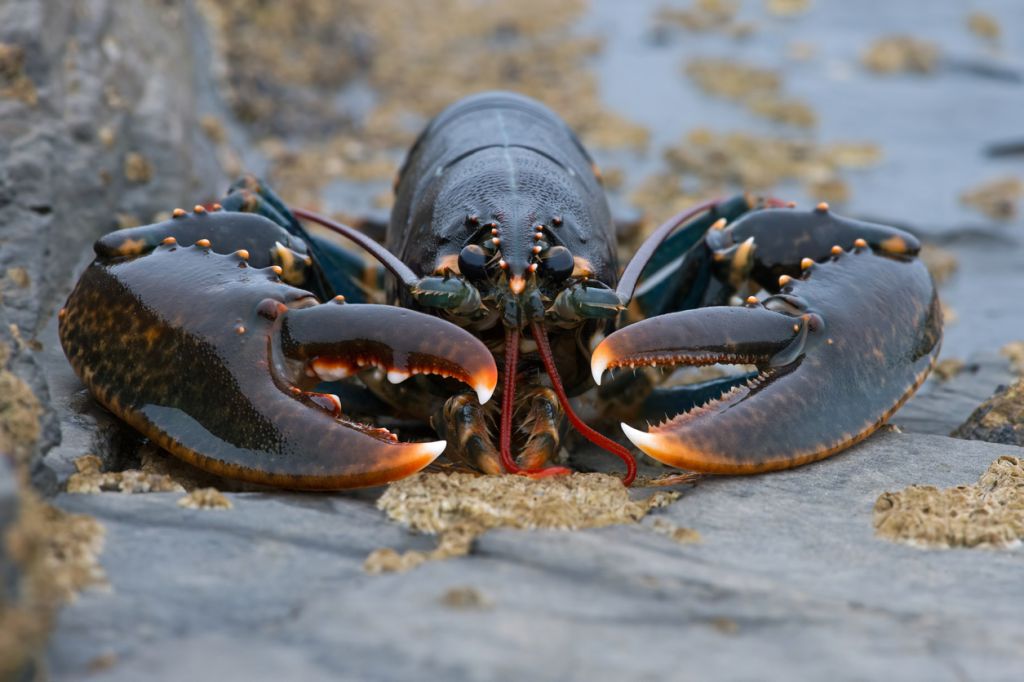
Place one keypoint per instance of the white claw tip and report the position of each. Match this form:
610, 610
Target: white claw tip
397, 376
642, 439
434, 448
483, 393
597, 366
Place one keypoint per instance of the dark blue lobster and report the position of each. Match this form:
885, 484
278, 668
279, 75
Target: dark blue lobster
214, 332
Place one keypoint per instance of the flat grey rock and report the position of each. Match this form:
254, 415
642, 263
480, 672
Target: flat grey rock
789, 578
109, 79
939, 407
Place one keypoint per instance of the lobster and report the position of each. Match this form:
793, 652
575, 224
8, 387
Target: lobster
246, 344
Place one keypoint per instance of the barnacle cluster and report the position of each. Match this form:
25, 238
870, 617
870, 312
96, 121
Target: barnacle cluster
998, 199
461, 507
758, 89
52, 554
989, 513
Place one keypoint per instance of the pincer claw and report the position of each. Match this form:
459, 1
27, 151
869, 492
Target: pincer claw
221, 369
837, 352
336, 341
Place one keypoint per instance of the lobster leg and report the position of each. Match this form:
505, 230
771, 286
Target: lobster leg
542, 427
343, 271
463, 422
678, 275
837, 352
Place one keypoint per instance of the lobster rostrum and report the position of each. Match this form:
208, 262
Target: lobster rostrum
206, 332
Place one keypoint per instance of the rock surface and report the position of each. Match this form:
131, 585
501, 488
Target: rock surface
89, 140
788, 577
942, 406
1000, 419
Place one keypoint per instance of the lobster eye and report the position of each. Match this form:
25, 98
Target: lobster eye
557, 263
473, 262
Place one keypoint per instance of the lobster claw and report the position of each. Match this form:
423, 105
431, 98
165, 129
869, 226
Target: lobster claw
338, 340
331, 341
837, 352
214, 368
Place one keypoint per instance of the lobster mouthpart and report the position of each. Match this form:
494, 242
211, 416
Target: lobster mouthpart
213, 368
837, 353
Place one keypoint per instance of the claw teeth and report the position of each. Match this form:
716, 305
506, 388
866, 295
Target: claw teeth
330, 371
434, 449
327, 401
648, 442
397, 376
483, 392
598, 364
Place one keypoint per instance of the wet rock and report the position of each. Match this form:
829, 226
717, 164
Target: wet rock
788, 577
10, 580
942, 406
48, 556
1000, 419
25, 612
83, 87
